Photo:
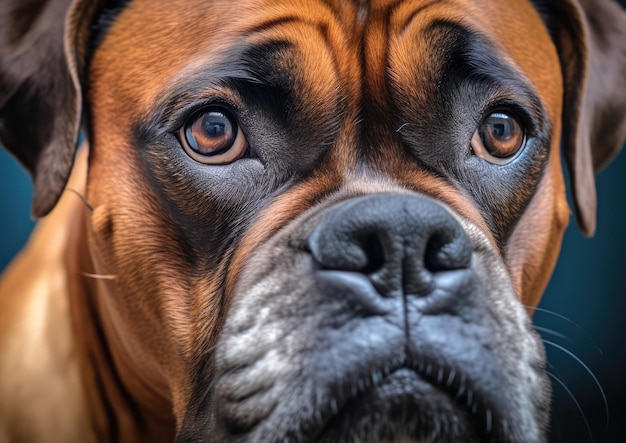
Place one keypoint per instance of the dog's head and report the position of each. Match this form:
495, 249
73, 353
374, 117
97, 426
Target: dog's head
326, 220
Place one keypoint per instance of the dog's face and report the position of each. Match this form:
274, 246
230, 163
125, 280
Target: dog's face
328, 220
352, 230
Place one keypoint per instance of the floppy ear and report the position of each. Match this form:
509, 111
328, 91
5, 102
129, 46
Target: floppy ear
42, 53
590, 36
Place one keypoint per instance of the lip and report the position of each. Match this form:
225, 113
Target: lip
412, 403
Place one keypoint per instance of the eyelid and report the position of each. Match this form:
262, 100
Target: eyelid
182, 107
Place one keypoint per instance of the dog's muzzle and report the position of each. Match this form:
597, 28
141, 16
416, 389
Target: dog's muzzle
378, 318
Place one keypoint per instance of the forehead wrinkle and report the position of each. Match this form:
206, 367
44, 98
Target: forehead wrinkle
406, 14
333, 25
506, 22
471, 55
458, 51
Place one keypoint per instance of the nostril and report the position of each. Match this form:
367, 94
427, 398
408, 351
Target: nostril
443, 253
433, 261
374, 252
398, 242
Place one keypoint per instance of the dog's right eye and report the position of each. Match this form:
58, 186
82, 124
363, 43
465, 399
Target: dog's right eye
212, 136
499, 138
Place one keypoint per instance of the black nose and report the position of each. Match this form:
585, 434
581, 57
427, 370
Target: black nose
399, 242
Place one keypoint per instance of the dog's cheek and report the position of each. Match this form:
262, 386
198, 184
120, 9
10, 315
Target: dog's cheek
102, 225
146, 275
531, 262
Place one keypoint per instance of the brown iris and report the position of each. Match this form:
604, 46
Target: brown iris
498, 138
212, 136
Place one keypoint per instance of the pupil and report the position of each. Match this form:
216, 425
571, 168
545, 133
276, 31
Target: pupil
499, 129
215, 124
215, 128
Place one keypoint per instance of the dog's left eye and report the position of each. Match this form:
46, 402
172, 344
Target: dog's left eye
212, 136
499, 138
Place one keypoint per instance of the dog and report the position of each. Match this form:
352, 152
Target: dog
295, 220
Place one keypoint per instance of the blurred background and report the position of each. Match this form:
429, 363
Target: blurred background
582, 316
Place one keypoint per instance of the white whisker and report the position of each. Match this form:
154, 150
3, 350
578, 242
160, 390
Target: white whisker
580, 409
589, 371
98, 276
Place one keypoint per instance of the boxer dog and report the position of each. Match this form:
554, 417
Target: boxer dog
296, 220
